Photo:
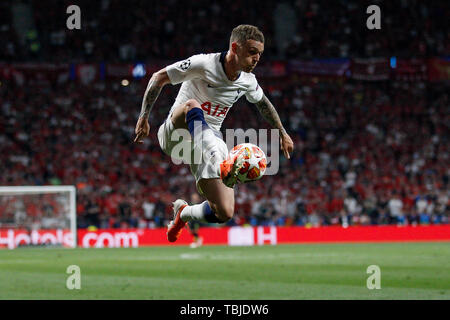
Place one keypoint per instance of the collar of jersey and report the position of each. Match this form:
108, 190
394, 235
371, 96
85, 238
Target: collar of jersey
222, 62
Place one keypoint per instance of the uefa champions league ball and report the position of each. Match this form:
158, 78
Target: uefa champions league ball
255, 162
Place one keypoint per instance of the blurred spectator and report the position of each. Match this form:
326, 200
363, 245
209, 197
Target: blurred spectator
92, 214
395, 206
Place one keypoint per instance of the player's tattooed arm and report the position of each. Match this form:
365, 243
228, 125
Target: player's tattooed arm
154, 87
157, 82
269, 113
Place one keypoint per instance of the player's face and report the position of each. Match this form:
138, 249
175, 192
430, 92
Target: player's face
249, 54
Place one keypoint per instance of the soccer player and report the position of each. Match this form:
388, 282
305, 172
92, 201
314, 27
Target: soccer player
211, 84
194, 226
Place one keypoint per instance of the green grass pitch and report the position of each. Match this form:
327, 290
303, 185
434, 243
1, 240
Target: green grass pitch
295, 272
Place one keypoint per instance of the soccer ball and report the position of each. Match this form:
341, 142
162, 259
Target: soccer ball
255, 162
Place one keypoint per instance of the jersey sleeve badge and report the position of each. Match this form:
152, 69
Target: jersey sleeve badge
184, 65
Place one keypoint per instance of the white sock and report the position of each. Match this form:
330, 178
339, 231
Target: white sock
194, 212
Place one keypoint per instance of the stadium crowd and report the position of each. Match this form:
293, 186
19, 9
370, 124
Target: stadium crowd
365, 153
116, 30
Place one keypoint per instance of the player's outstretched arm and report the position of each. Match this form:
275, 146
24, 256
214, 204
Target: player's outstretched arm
157, 82
271, 115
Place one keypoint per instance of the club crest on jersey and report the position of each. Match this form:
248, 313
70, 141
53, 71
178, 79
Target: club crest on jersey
185, 64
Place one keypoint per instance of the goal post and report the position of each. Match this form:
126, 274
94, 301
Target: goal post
38, 215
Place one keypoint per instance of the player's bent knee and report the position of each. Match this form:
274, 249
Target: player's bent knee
191, 104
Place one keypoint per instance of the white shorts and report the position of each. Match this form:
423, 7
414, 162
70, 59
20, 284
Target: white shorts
169, 140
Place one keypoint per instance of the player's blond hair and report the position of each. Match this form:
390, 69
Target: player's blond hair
246, 32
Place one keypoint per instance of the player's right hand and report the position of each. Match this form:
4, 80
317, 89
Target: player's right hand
142, 130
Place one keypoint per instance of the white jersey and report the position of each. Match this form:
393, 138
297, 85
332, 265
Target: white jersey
204, 80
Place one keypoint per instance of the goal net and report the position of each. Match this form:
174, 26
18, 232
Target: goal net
37, 216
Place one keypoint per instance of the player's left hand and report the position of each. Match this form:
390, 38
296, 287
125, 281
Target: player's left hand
287, 146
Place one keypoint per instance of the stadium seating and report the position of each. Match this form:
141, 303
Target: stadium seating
362, 149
